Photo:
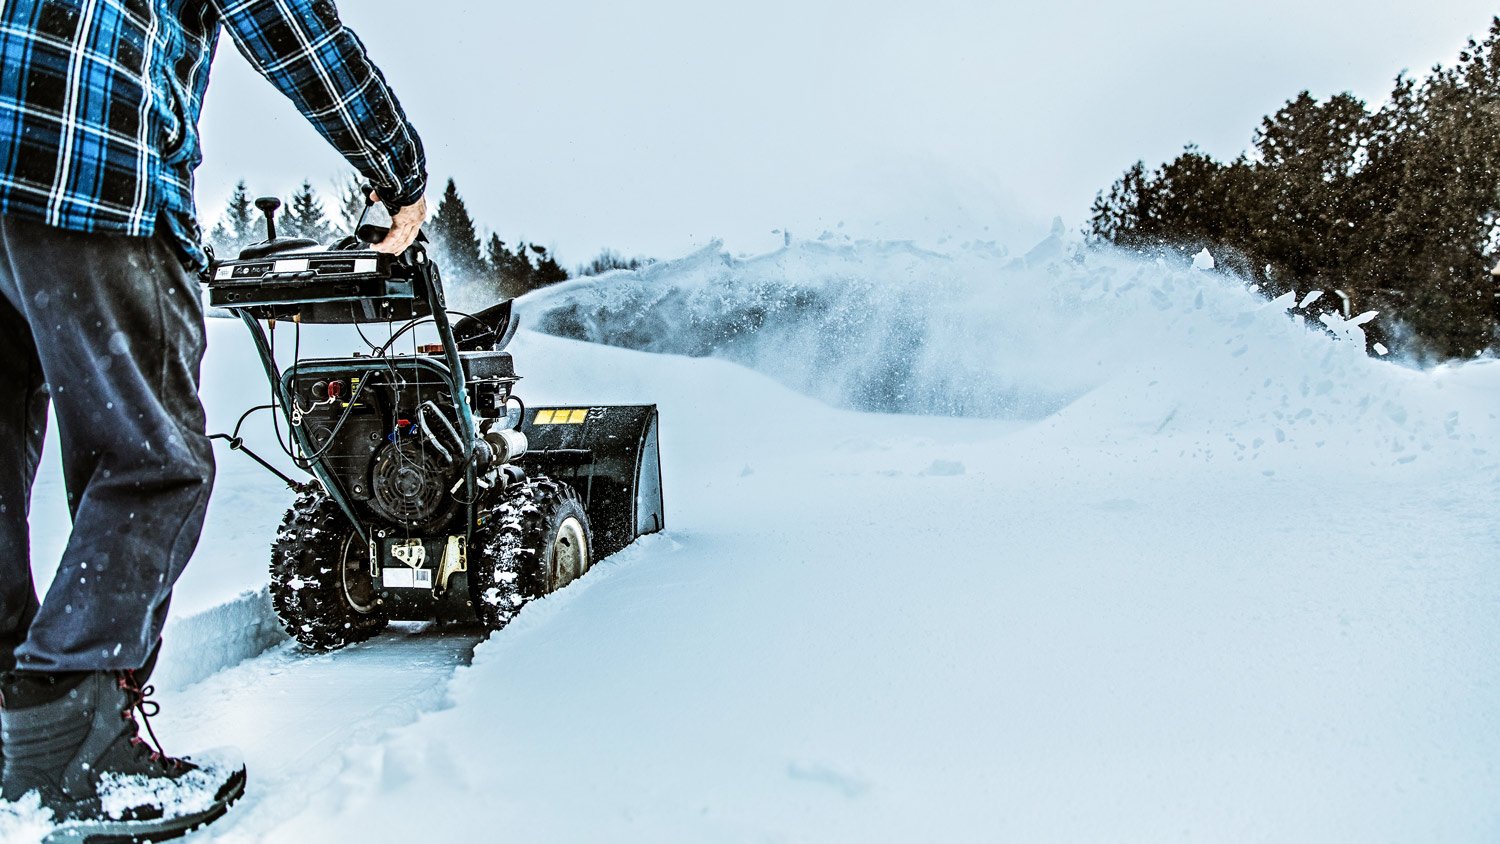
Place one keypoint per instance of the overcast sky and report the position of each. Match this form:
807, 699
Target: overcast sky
657, 125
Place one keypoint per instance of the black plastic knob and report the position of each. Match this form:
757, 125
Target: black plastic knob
268, 206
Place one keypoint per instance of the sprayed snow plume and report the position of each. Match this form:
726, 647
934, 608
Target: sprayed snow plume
889, 327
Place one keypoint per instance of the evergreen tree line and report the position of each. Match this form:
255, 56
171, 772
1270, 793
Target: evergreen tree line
1397, 208
489, 266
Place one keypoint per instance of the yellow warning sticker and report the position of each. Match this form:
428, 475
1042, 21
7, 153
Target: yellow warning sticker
354, 388
562, 417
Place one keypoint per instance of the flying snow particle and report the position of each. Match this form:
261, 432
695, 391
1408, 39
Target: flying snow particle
1203, 260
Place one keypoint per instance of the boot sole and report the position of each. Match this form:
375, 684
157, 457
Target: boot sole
133, 832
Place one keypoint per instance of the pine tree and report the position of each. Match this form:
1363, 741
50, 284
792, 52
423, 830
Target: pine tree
512, 272
500, 269
239, 226
496, 256
548, 271
524, 271
304, 216
455, 240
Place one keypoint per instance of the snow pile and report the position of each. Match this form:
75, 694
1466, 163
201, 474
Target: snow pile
25, 820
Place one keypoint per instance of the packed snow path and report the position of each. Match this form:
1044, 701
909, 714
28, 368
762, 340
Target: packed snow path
304, 720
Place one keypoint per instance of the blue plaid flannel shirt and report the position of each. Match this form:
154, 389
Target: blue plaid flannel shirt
99, 104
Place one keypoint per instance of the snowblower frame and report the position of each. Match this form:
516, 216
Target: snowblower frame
284, 384
429, 501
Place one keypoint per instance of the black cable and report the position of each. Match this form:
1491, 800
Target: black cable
246, 415
361, 330
237, 444
413, 323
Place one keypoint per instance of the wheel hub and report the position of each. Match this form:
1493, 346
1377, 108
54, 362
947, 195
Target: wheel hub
568, 558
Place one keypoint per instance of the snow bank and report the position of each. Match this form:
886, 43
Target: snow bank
200, 644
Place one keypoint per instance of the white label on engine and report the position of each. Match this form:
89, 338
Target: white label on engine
291, 265
365, 265
406, 578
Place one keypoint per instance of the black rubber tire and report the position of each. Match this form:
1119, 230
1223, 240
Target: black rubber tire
307, 584
508, 561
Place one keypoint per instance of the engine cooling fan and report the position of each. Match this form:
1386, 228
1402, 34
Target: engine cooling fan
409, 483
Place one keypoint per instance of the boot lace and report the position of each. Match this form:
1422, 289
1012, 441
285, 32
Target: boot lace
138, 700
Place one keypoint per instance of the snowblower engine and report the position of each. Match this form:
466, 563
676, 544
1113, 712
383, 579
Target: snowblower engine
435, 491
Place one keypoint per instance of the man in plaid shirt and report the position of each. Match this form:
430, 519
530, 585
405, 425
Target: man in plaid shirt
100, 317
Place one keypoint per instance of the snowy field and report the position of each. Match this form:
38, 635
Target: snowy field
960, 547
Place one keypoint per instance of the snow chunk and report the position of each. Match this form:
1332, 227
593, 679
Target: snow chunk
121, 795
943, 468
25, 820
1204, 260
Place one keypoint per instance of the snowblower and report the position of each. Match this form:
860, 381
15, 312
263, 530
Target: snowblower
435, 492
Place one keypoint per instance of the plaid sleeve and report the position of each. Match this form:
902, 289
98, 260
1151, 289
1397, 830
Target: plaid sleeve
307, 53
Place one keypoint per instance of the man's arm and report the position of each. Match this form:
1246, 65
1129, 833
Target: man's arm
307, 53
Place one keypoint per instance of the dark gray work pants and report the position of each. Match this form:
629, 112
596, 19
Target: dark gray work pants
110, 329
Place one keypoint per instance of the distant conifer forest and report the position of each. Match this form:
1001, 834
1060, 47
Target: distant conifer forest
1393, 209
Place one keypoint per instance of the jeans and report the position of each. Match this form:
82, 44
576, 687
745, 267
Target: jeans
108, 330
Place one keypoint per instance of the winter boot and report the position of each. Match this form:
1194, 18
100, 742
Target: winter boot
75, 740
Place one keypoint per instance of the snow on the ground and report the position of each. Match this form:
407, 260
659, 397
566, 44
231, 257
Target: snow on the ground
1136, 555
